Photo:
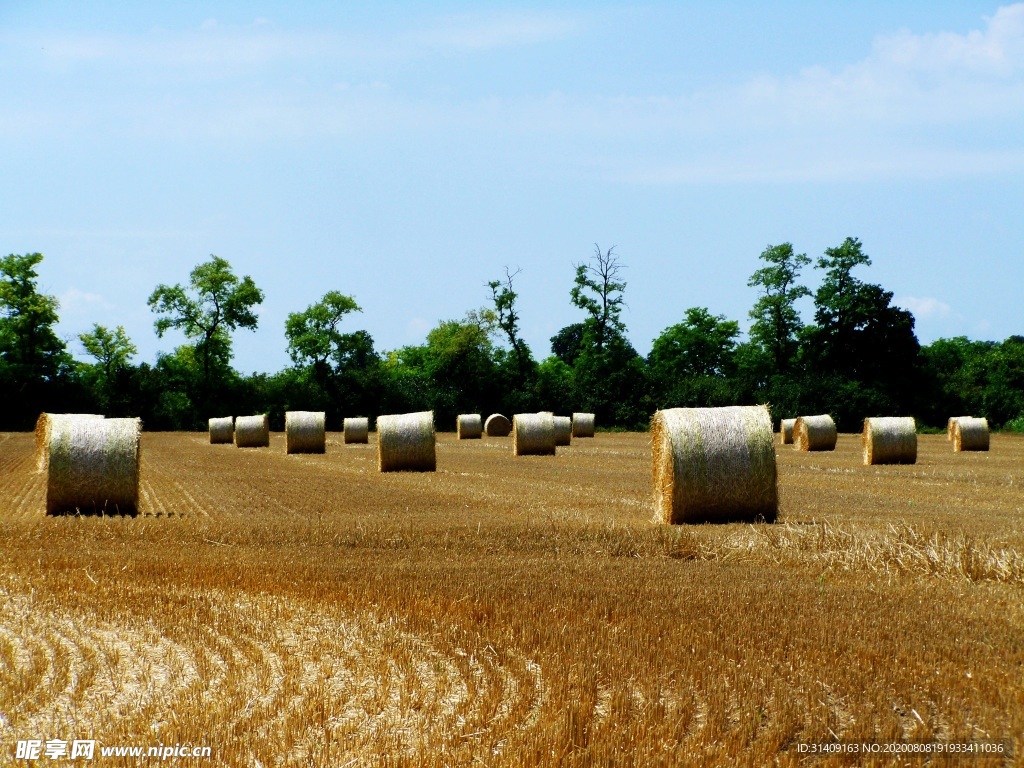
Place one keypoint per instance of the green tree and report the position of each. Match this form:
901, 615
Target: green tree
598, 291
506, 318
776, 323
30, 349
691, 363
567, 344
112, 351
313, 335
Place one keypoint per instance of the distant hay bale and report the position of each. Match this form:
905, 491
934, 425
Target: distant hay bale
252, 431
714, 465
93, 466
951, 425
890, 440
786, 430
406, 442
222, 430
563, 430
44, 424
970, 434
305, 432
356, 430
583, 425
469, 426
497, 426
533, 434
815, 433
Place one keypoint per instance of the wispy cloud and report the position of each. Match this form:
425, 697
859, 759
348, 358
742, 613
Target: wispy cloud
76, 301
924, 308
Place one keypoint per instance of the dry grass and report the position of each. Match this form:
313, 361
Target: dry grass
309, 611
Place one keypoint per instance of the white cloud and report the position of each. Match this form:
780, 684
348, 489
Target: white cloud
925, 308
76, 301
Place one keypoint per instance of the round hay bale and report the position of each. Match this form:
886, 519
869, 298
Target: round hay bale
583, 425
970, 434
951, 425
252, 431
406, 442
356, 430
786, 430
42, 433
93, 466
815, 433
305, 432
563, 430
714, 465
890, 440
469, 426
497, 426
222, 430
533, 434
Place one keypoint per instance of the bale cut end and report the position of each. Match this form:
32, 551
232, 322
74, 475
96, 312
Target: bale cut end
815, 433
497, 426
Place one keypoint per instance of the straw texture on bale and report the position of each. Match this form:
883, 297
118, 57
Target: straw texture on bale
252, 431
469, 426
93, 466
890, 440
533, 434
356, 430
714, 465
406, 442
305, 432
497, 426
222, 430
786, 427
563, 430
44, 424
815, 433
951, 425
583, 425
970, 434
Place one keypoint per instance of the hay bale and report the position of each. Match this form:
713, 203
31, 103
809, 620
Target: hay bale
583, 425
252, 431
44, 424
951, 425
890, 440
356, 430
93, 466
563, 430
714, 464
533, 434
970, 434
305, 432
222, 430
406, 442
815, 433
469, 426
786, 430
497, 426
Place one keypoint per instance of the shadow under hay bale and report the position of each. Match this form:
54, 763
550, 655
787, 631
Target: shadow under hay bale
970, 434
469, 426
305, 432
252, 431
786, 427
356, 430
533, 434
222, 430
406, 442
583, 425
93, 467
890, 440
497, 426
815, 433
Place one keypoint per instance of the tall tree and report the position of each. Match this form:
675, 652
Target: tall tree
598, 291
112, 351
776, 322
691, 363
506, 318
30, 349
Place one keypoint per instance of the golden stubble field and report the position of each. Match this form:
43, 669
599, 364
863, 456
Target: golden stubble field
309, 611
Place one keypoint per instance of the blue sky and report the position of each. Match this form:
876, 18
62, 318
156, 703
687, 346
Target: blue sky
407, 153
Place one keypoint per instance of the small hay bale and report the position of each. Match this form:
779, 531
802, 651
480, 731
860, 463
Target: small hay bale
356, 430
93, 466
583, 425
469, 426
406, 442
714, 465
815, 433
786, 430
533, 434
252, 431
44, 424
305, 432
970, 434
563, 430
497, 426
890, 440
951, 425
222, 430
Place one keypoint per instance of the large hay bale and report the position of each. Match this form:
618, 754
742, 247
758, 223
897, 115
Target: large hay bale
497, 426
815, 433
890, 440
356, 430
93, 466
970, 434
951, 426
786, 427
469, 426
563, 430
252, 431
222, 430
305, 432
44, 424
714, 465
533, 434
583, 425
406, 442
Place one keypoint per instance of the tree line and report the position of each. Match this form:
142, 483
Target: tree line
859, 356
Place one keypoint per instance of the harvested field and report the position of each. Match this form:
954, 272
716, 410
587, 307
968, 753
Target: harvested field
309, 610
